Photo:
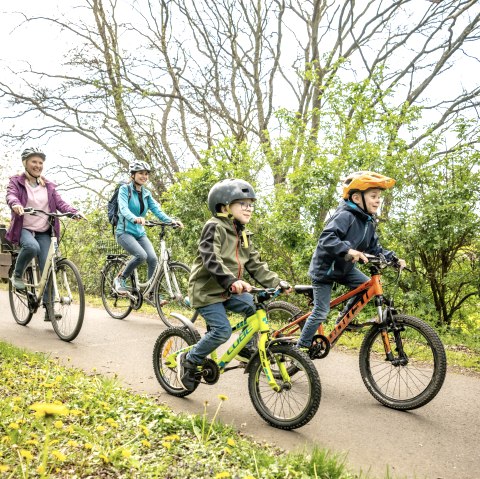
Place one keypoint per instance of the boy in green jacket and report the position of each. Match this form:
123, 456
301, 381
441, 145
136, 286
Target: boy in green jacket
224, 253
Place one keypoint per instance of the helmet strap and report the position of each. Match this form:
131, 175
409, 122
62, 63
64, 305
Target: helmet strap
364, 203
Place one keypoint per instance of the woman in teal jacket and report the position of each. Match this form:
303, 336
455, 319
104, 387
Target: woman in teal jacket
134, 201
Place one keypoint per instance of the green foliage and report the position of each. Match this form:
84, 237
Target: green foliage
88, 426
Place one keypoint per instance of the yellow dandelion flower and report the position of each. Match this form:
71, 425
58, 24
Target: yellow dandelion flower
231, 442
167, 445
15, 408
87, 445
70, 429
249, 477
26, 454
72, 443
75, 412
223, 474
13, 425
4, 468
6, 440
126, 453
32, 442
146, 443
227, 450
58, 424
172, 437
104, 458
49, 409
94, 370
111, 422
17, 399
222, 397
145, 430
59, 455
41, 469
48, 385
101, 428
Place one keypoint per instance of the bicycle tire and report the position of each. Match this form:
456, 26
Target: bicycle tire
67, 315
172, 339
179, 273
18, 301
281, 313
116, 305
413, 384
298, 401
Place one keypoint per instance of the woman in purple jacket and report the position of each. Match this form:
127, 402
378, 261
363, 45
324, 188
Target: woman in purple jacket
32, 232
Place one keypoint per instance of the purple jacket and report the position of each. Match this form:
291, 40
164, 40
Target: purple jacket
17, 195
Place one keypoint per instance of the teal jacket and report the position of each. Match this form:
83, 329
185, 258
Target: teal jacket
129, 209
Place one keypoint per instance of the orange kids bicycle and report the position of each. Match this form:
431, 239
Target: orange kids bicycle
402, 360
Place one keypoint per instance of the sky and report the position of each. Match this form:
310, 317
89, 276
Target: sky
41, 46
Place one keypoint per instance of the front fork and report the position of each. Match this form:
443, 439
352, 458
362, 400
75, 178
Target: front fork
383, 316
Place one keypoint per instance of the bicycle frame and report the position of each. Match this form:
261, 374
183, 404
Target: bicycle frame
163, 260
370, 289
247, 328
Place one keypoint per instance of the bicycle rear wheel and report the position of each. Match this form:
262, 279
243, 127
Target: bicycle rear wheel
171, 340
116, 305
416, 373
179, 274
18, 299
67, 311
281, 313
298, 399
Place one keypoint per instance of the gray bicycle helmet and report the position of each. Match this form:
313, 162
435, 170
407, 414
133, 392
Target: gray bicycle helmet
28, 152
139, 166
227, 191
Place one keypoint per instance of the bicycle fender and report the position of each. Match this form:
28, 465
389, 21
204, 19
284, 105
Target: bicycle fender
186, 322
283, 340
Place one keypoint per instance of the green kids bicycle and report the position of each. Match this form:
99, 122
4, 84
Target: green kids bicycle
284, 400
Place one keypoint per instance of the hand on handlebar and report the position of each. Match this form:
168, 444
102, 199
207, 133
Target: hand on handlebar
18, 210
285, 286
140, 220
240, 286
177, 224
79, 216
353, 256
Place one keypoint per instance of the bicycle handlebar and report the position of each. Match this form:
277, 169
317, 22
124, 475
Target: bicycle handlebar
151, 224
34, 211
379, 261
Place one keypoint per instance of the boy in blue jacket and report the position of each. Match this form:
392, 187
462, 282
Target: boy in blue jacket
351, 230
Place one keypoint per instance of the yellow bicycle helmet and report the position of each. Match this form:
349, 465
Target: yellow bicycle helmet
365, 180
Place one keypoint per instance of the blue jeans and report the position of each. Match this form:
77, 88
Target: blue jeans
32, 244
220, 330
141, 249
321, 303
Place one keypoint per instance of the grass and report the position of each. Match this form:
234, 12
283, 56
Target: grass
58, 422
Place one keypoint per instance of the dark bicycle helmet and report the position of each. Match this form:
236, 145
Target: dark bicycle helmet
227, 191
138, 165
34, 151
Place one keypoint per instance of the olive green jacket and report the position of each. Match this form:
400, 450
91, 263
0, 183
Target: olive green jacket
225, 251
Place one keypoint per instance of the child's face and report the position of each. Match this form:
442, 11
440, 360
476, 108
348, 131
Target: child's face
373, 200
242, 210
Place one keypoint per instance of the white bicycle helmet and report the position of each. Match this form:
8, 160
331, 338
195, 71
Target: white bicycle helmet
34, 151
138, 165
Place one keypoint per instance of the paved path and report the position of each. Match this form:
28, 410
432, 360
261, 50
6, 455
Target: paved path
440, 440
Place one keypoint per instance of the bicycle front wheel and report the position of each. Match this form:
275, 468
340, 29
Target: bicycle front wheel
171, 340
68, 310
116, 305
298, 399
416, 373
173, 297
18, 299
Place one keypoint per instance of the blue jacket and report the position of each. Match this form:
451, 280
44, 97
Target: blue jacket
348, 228
129, 209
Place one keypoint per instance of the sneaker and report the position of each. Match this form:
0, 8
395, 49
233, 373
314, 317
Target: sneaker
120, 285
47, 316
244, 355
186, 372
17, 283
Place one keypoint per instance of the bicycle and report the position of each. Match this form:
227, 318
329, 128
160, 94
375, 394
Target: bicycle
402, 360
60, 279
168, 284
283, 401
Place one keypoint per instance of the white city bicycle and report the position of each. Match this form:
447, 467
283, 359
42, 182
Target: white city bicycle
60, 279
167, 286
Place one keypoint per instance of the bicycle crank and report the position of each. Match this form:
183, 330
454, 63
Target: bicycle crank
210, 371
320, 347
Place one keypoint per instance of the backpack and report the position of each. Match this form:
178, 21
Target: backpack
112, 207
